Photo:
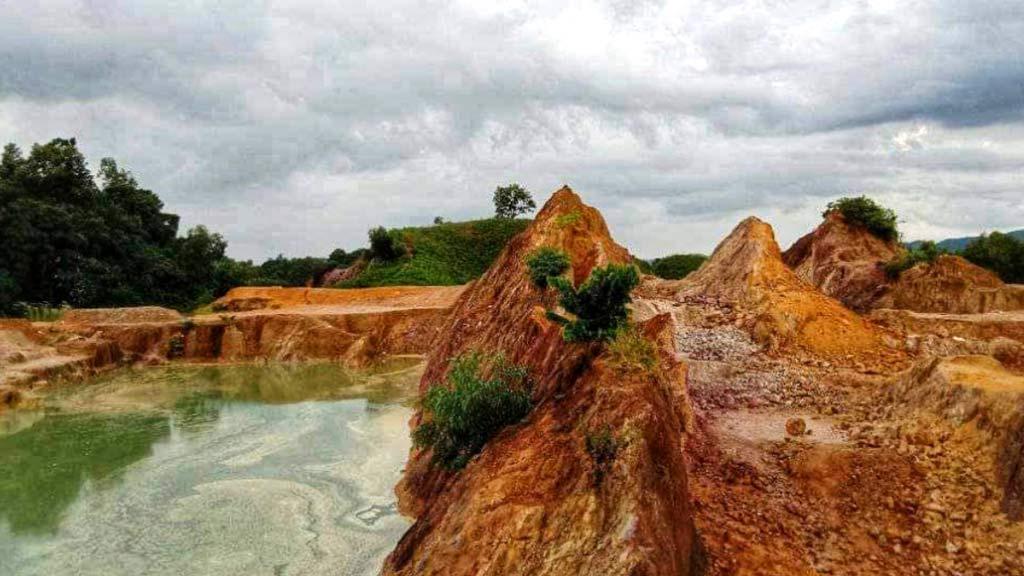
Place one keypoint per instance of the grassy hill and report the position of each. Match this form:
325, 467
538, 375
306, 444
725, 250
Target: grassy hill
443, 254
958, 244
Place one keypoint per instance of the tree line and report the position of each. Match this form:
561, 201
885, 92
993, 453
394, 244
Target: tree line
70, 237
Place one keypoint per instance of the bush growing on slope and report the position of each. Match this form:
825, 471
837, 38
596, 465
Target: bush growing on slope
598, 306
926, 251
867, 213
463, 416
545, 263
1000, 253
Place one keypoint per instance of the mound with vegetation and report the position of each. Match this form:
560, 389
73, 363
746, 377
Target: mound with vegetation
601, 448
854, 256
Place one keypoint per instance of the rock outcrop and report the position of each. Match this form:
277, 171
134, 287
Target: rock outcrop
528, 504
848, 263
976, 391
747, 269
844, 261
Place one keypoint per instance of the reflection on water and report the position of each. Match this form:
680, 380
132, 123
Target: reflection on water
284, 469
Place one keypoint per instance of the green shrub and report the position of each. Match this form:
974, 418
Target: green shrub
630, 350
461, 417
544, 263
602, 446
1000, 253
926, 251
598, 306
865, 212
383, 246
677, 266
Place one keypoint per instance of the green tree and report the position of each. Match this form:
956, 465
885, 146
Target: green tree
598, 306
1001, 253
512, 201
383, 246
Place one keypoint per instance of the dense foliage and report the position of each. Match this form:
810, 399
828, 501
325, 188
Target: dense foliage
512, 201
865, 212
67, 237
443, 255
546, 262
676, 266
1000, 253
598, 306
383, 245
926, 251
484, 394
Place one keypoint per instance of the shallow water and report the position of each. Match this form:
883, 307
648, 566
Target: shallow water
280, 469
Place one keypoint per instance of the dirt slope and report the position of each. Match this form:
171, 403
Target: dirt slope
747, 269
952, 285
528, 504
845, 262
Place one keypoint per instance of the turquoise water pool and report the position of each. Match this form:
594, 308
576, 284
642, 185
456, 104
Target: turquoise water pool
278, 469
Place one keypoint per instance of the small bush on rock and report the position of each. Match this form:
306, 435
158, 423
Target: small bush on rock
603, 446
598, 306
463, 416
544, 263
865, 212
630, 350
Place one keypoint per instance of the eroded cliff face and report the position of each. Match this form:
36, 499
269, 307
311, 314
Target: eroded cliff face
529, 503
353, 326
845, 262
951, 285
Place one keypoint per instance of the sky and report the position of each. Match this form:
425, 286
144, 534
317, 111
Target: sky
291, 127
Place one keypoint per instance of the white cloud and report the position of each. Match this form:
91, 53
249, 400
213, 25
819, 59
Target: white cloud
294, 126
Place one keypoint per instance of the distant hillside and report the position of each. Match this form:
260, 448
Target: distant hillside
958, 244
441, 255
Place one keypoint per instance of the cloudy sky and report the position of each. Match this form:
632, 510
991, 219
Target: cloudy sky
293, 126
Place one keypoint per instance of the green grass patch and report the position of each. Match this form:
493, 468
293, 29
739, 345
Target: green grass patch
442, 255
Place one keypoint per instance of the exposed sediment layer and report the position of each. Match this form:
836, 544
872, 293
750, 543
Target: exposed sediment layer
529, 503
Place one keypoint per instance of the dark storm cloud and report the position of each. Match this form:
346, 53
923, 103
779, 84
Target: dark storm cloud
293, 126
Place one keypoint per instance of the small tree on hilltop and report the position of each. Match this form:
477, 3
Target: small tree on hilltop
598, 306
383, 246
512, 201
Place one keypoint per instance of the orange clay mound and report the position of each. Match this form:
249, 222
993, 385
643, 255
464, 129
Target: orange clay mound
844, 261
952, 285
747, 268
530, 503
